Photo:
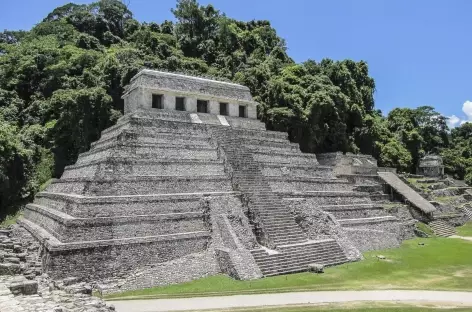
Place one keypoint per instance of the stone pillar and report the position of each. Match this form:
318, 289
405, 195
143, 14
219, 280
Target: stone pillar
143, 99
251, 111
233, 109
169, 101
214, 107
191, 105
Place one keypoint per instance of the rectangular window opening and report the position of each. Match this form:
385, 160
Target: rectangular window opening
224, 109
180, 104
157, 101
242, 111
202, 106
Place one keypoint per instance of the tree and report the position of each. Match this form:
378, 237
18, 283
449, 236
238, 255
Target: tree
79, 117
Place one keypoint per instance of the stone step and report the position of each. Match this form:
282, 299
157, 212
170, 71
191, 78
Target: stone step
253, 133
149, 151
300, 261
151, 126
281, 234
302, 247
468, 212
257, 142
284, 149
278, 169
69, 229
146, 136
141, 185
288, 254
369, 188
136, 166
281, 223
304, 259
441, 228
296, 258
198, 239
335, 194
285, 158
308, 185
370, 220
354, 211
368, 206
299, 269
113, 206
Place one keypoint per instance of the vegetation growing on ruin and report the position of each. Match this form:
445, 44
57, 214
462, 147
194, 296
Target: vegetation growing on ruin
425, 228
61, 82
11, 219
439, 264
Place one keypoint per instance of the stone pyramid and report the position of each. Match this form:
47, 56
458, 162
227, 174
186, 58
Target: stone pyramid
187, 184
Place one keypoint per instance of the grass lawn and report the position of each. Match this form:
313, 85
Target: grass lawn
357, 307
465, 230
439, 264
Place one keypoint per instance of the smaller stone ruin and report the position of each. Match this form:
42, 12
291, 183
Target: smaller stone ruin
349, 163
431, 166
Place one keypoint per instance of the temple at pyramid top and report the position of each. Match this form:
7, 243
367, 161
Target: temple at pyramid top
151, 90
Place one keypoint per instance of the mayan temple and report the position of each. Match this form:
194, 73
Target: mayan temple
189, 183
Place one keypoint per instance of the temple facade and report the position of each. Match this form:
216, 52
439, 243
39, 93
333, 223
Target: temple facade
151, 89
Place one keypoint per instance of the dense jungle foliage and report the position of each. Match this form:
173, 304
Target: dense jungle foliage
61, 81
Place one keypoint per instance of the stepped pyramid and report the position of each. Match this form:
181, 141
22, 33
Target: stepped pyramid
187, 184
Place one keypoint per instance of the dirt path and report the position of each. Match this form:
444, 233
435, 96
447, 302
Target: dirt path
244, 301
462, 237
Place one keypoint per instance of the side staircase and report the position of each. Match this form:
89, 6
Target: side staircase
468, 212
441, 228
407, 192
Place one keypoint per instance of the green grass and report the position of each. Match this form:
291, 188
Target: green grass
421, 186
445, 199
9, 220
440, 264
43, 186
425, 228
357, 307
465, 230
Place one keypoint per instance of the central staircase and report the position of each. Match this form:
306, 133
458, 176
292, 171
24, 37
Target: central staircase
266, 208
297, 257
287, 248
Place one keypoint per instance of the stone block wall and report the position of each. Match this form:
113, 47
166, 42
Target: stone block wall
116, 260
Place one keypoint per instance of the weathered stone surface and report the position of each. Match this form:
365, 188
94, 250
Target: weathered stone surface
70, 280
24, 287
9, 268
316, 268
40, 294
